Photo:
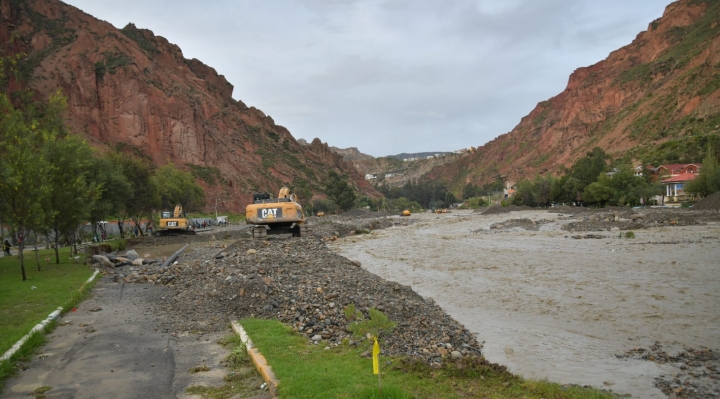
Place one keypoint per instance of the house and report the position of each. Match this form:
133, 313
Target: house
678, 169
675, 193
370, 177
508, 191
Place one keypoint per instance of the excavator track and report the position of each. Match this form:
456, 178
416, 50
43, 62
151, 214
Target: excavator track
258, 232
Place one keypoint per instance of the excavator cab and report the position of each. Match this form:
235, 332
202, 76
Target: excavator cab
276, 215
174, 223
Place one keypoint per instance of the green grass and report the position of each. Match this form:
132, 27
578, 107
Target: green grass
310, 371
22, 307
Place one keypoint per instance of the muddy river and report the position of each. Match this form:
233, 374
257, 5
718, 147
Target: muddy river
549, 306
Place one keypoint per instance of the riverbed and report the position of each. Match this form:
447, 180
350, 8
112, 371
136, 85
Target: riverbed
551, 306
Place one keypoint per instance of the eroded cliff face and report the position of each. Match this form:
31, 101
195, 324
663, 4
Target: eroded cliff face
131, 90
664, 86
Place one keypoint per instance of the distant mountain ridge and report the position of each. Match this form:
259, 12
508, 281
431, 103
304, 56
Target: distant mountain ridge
395, 170
657, 98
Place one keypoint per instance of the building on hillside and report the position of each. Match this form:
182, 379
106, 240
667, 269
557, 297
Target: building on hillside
677, 169
674, 177
508, 191
675, 193
370, 177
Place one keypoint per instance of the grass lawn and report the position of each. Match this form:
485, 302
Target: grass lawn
310, 371
21, 306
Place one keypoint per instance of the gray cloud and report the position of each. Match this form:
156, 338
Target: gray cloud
391, 76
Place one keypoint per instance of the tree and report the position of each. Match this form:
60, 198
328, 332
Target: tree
71, 193
23, 167
114, 190
303, 191
338, 190
708, 179
145, 196
177, 187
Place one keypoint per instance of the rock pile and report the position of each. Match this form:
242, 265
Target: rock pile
299, 281
342, 226
697, 377
628, 219
523, 223
711, 202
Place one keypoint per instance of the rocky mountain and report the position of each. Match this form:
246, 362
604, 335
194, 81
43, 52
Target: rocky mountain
133, 91
654, 100
394, 170
351, 154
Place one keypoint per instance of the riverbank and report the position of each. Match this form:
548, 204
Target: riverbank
550, 303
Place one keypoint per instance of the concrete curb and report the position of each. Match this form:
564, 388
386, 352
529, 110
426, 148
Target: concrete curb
258, 359
40, 326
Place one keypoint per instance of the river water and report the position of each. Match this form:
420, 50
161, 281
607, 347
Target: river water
549, 306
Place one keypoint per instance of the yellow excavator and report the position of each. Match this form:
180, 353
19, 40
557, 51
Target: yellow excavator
276, 215
174, 223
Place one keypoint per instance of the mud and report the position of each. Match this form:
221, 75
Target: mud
550, 306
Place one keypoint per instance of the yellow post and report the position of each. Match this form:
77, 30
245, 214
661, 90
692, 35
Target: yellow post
376, 362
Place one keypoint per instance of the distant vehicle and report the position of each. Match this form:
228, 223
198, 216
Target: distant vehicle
276, 215
174, 223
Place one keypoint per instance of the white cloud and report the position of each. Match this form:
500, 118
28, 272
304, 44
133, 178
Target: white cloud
391, 76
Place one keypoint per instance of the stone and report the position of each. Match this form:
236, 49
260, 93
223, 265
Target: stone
456, 355
251, 252
137, 262
104, 261
316, 337
132, 254
356, 263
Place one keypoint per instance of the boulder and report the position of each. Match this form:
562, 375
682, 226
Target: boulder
103, 261
131, 254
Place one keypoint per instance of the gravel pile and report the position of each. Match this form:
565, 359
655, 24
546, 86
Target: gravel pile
629, 219
300, 282
342, 226
697, 375
523, 223
712, 201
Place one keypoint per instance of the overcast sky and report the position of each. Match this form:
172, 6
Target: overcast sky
391, 76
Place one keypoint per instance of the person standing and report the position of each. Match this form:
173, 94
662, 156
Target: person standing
6, 247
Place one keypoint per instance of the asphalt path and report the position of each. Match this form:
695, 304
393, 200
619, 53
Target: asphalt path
113, 346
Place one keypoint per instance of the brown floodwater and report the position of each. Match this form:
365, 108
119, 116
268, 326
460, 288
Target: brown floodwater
549, 306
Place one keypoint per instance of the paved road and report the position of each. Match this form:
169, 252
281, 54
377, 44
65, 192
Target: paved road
120, 351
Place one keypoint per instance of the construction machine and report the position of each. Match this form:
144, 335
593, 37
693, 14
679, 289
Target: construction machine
276, 215
174, 223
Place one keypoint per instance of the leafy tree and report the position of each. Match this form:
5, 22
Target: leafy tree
326, 206
708, 180
623, 188
470, 190
114, 190
303, 191
23, 167
177, 187
145, 196
71, 193
338, 190
586, 171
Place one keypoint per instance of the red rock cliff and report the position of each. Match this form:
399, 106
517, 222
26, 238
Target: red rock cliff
131, 90
664, 86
